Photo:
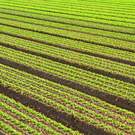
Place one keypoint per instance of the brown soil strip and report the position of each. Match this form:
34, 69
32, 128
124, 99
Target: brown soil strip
63, 117
75, 64
44, 19
66, 37
44, 10
117, 38
112, 99
131, 63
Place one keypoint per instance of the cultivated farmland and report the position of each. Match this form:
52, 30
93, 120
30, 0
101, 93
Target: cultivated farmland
67, 67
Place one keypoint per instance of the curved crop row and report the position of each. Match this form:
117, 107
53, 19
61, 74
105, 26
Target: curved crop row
86, 61
95, 81
79, 97
19, 119
73, 11
85, 9
22, 16
63, 35
86, 4
124, 5
76, 45
54, 95
67, 67
74, 20
74, 14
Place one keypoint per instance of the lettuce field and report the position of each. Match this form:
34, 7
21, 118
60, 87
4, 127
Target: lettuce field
67, 67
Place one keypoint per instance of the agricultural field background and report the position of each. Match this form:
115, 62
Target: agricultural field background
67, 67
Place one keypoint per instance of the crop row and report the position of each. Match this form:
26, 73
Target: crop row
27, 121
85, 8
65, 42
79, 15
87, 13
94, 9
83, 99
123, 5
93, 80
83, 61
67, 101
65, 34
106, 4
69, 69
74, 11
85, 47
87, 22
17, 15
120, 12
124, 25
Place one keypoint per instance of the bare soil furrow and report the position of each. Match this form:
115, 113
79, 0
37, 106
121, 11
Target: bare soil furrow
64, 118
118, 101
75, 64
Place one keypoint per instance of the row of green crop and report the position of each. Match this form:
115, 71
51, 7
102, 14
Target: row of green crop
67, 19
82, 99
123, 4
82, 13
120, 3
73, 15
93, 80
60, 40
84, 3
43, 28
71, 56
72, 105
103, 2
21, 16
7, 129
28, 121
74, 35
80, 8
16, 124
74, 11
93, 8
85, 47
